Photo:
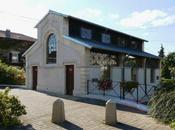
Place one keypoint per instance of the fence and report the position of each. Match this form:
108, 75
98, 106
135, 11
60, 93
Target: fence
140, 94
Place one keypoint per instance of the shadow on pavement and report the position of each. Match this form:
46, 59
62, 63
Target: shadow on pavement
22, 127
100, 103
90, 101
123, 126
70, 126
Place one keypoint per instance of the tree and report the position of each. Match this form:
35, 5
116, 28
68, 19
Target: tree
172, 71
161, 52
167, 64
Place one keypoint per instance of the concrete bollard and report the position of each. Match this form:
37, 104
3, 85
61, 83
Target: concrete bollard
110, 115
58, 112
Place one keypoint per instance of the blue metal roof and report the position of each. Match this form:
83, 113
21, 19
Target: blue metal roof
110, 47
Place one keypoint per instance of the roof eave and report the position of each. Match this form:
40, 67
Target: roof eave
107, 48
77, 41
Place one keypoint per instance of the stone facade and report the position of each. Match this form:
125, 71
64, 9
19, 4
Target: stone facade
51, 77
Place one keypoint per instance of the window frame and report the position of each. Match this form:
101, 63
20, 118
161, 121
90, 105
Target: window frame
54, 45
85, 33
105, 35
133, 45
16, 54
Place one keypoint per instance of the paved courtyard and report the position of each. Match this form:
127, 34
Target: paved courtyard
81, 114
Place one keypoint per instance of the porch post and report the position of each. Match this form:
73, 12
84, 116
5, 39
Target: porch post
123, 68
123, 74
145, 75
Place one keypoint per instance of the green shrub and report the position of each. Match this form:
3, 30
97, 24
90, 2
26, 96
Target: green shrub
173, 125
10, 109
162, 103
166, 85
11, 75
162, 107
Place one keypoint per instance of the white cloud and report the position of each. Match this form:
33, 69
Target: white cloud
89, 14
19, 16
142, 19
164, 21
146, 34
114, 16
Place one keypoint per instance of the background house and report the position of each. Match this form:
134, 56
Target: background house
12, 46
69, 52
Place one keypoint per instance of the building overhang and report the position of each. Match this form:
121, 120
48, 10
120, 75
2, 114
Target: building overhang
110, 47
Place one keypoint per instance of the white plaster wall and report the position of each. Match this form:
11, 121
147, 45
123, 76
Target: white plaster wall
116, 74
140, 75
127, 74
94, 72
148, 72
51, 79
72, 52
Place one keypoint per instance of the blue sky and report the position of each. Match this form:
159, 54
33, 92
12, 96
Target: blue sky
153, 20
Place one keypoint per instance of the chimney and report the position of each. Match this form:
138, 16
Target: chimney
7, 33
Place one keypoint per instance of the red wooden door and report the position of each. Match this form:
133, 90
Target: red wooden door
69, 79
34, 77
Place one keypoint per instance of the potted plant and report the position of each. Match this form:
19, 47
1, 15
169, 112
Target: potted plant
105, 83
128, 85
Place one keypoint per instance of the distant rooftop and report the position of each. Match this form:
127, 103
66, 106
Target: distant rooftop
16, 36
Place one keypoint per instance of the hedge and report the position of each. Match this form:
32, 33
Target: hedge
10, 109
11, 75
162, 103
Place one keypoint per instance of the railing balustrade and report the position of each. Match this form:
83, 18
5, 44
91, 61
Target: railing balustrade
137, 94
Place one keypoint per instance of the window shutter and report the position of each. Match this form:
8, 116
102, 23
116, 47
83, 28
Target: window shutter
10, 57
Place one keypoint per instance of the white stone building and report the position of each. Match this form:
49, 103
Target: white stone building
70, 51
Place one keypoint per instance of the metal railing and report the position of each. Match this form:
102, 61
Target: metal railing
138, 94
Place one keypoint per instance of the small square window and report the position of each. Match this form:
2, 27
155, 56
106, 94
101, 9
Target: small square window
106, 38
86, 33
123, 43
133, 45
15, 57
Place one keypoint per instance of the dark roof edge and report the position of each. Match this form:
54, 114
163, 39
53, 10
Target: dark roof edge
106, 28
69, 16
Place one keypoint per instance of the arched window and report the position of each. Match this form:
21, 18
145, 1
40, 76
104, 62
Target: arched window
51, 49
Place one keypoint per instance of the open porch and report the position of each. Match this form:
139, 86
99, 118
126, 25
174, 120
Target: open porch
110, 68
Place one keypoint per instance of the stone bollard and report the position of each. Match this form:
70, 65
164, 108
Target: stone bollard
110, 115
58, 112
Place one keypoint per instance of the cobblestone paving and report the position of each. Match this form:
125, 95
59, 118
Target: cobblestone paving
81, 114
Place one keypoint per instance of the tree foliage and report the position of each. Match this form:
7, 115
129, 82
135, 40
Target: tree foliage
161, 52
162, 103
168, 63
